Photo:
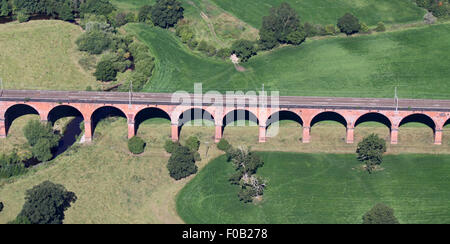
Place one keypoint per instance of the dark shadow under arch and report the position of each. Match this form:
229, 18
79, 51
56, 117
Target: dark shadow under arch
374, 117
17, 111
283, 115
329, 116
238, 115
194, 114
419, 118
103, 113
148, 113
446, 123
63, 111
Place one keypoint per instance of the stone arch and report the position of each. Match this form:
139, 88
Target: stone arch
16, 111
329, 116
104, 112
149, 113
62, 111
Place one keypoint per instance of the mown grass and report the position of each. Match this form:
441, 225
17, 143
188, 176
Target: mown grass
327, 11
415, 60
42, 54
322, 188
114, 186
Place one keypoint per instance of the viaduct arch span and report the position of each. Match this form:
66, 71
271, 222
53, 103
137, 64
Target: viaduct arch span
136, 107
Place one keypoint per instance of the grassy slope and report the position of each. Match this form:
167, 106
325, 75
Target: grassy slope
41, 55
362, 66
322, 188
327, 11
114, 187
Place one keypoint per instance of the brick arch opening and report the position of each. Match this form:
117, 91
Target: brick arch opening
103, 113
63, 111
374, 117
149, 113
16, 111
195, 116
416, 118
282, 116
329, 116
239, 117
419, 118
382, 131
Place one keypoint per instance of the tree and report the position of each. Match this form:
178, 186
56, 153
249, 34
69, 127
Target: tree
181, 163
45, 203
380, 214
349, 24
144, 13
370, 151
244, 49
5, 9
166, 13
145, 66
105, 71
65, 11
41, 138
97, 7
281, 26
136, 145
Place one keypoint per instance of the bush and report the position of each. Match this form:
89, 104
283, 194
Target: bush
181, 163
380, 27
296, 37
380, 214
349, 24
364, 28
246, 194
192, 44
166, 13
139, 51
145, 66
136, 145
45, 203
223, 145
97, 7
11, 165
5, 9
244, 49
105, 71
41, 138
94, 42
144, 13
170, 146
330, 30
223, 53
22, 16
193, 144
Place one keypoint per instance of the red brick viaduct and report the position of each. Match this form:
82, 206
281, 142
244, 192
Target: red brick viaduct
52, 105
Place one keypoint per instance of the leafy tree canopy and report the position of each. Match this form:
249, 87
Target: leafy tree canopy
380, 214
166, 13
45, 203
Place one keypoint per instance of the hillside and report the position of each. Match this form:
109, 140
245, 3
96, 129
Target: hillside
360, 66
42, 54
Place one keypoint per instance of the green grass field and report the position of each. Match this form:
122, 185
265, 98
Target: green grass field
42, 55
328, 11
322, 188
415, 60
